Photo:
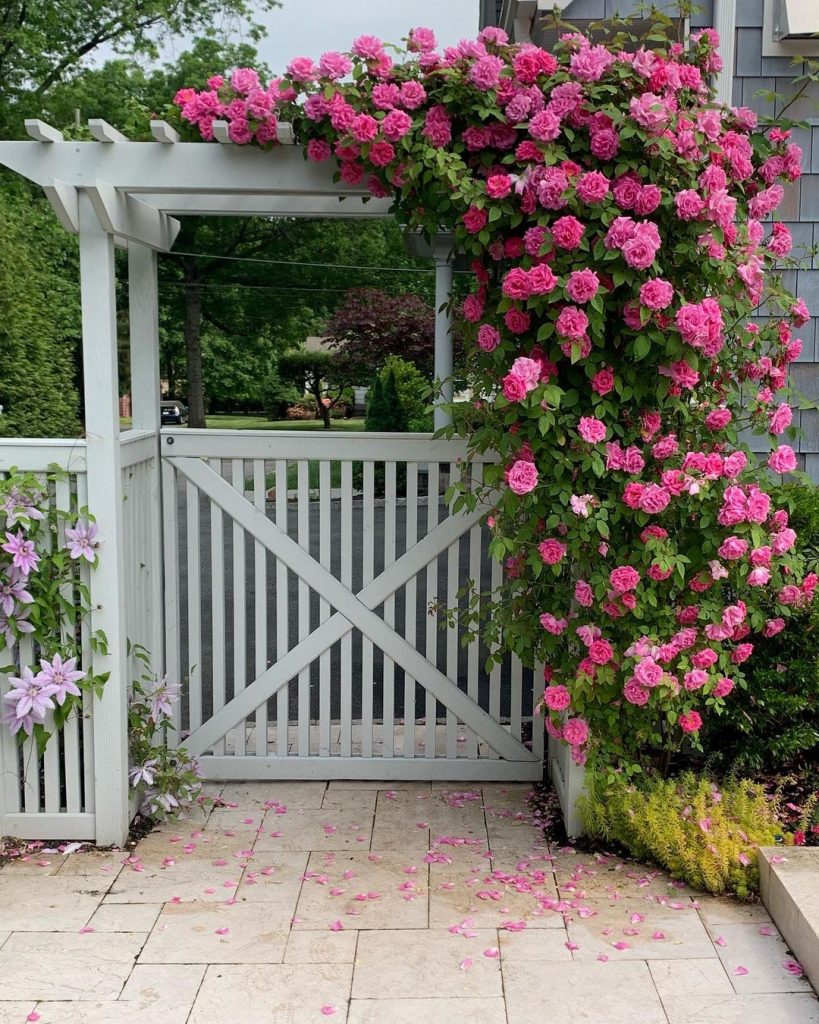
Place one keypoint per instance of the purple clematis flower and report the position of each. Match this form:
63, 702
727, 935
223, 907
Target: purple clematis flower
14, 723
82, 540
162, 695
13, 591
143, 773
17, 506
62, 676
23, 555
17, 621
31, 695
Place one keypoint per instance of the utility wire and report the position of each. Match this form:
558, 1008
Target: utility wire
296, 263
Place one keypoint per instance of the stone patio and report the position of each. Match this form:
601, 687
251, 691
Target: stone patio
377, 903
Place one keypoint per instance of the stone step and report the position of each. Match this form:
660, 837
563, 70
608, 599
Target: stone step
789, 882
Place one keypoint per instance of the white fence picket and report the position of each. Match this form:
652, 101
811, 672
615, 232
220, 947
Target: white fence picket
217, 606
237, 474
411, 611
282, 613
431, 648
260, 603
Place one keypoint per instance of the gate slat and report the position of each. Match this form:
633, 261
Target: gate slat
431, 649
31, 761
71, 729
388, 688
170, 533
367, 570
346, 673
217, 606
282, 613
51, 757
538, 730
85, 640
237, 477
303, 532
193, 596
516, 697
410, 605
260, 602
325, 481
452, 580
473, 653
496, 578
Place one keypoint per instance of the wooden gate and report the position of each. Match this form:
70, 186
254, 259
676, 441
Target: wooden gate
306, 577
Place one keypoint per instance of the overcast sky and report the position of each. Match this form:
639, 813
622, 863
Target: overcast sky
306, 28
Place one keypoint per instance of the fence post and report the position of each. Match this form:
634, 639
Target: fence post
442, 254
143, 321
101, 387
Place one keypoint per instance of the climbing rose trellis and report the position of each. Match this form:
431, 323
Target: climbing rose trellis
614, 214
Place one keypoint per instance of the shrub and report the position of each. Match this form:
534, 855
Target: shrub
385, 410
703, 833
414, 393
277, 396
775, 716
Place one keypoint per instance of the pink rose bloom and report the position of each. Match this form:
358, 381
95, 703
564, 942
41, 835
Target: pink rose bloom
718, 419
244, 80
723, 687
648, 672
633, 461
590, 63
592, 187
516, 284
552, 625
364, 128
742, 653
781, 419
648, 199
541, 280
783, 541
475, 219
318, 150
635, 693
761, 556
591, 429
572, 323
657, 294
582, 285
666, 447
605, 144
498, 186
576, 732
782, 460
413, 95
488, 338
334, 65
624, 578
514, 388
600, 651
583, 594
522, 477
437, 127
556, 698
689, 204
620, 231
567, 232
732, 548
603, 381
529, 370
485, 72
772, 627
695, 679
733, 464
301, 69
650, 112
544, 126
552, 551
517, 321
368, 47
734, 614
654, 499
386, 95
381, 153
639, 251
421, 40
759, 577
690, 722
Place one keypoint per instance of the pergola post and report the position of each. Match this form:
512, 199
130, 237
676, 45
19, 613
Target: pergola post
442, 254
143, 319
99, 335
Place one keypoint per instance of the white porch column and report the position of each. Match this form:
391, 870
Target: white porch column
725, 22
442, 254
99, 337
143, 320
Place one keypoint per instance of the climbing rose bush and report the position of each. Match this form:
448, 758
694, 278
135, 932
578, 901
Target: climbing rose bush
615, 216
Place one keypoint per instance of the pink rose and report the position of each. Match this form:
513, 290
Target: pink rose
488, 338
718, 419
522, 477
603, 382
545, 126
648, 672
592, 187
782, 460
572, 323
690, 722
567, 232
541, 280
582, 285
772, 627
318, 150
552, 551
759, 577
591, 429
514, 388
781, 419
689, 204
516, 284
364, 128
498, 186
654, 499
635, 693
723, 687
732, 548
553, 625
742, 653
657, 294
600, 651
576, 732
396, 125
517, 321
583, 594
556, 698
413, 95
475, 220
624, 578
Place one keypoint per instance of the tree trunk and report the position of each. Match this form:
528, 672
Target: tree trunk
193, 351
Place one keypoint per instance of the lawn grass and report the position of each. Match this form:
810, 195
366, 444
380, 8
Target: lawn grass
250, 422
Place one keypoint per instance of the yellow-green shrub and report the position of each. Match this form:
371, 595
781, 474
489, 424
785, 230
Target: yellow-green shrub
701, 832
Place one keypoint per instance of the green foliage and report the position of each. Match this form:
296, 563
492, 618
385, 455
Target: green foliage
704, 834
39, 320
775, 717
385, 410
414, 393
277, 395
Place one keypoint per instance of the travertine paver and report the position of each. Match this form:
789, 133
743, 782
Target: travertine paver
464, 914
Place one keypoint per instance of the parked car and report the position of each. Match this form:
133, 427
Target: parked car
173, 413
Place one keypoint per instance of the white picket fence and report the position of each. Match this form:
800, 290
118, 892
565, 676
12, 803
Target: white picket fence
53, 796
305, 580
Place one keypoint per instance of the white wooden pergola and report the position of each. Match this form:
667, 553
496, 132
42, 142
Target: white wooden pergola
116, 193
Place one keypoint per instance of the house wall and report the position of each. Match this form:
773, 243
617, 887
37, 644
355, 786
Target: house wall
800, 209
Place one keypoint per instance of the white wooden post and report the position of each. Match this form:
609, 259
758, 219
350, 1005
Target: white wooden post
99, 337
442, 254
143, 318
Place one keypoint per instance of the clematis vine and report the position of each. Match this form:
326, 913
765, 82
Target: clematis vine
616, 218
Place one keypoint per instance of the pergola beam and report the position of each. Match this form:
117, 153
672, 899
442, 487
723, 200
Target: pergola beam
42, 132
185, 204
121, 214
64, 201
